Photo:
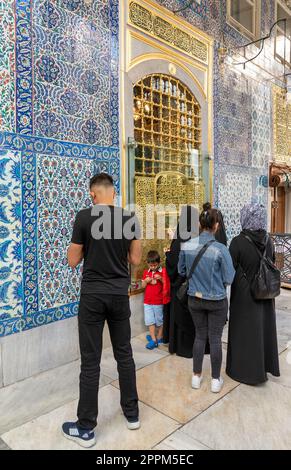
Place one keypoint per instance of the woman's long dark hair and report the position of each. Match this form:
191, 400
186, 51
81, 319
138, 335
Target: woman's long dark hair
220, 235
208, 217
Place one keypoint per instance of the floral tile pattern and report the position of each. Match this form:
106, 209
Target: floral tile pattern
199, 7
233, 120
72, 67
209, 16
234, 192
242, 115
60, 191
59, 71
7, 66
51, 183
11, 298
261, 125
24, 77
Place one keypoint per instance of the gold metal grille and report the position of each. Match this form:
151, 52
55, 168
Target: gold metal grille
167, 126
167, 132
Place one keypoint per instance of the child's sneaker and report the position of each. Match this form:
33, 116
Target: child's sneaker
160, 341
196, 381
148, 338
152, 344
216, 385
83, 437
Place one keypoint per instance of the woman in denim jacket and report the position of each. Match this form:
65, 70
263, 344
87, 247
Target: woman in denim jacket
207, 295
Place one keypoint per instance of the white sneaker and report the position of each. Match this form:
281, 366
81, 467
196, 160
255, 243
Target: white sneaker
216, 385
133, 425
196, 381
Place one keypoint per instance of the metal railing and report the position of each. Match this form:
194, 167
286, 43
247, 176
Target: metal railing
282, 242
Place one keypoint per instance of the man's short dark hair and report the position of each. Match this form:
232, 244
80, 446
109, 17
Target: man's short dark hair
101, 179
153, 257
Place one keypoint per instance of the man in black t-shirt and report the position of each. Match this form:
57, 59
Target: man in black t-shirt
107, 239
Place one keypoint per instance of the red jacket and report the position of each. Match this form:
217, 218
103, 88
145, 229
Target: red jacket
159, 293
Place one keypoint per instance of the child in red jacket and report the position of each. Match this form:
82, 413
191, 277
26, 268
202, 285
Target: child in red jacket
156, 282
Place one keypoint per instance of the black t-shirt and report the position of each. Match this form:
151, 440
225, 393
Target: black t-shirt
106, 233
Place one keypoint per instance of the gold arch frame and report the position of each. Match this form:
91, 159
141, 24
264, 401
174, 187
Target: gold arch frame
128, 32
167, 58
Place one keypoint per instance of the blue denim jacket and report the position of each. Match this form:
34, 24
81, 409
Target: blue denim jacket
214, 271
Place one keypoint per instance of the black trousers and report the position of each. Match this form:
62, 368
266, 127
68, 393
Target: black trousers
209, 317
94, 309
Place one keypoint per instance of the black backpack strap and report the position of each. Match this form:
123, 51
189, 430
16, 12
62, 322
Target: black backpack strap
198, 258
262, 255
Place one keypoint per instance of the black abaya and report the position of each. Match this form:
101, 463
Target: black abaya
252, 338
181, 327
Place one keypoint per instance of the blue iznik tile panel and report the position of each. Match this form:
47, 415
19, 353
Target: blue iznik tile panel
261, 125
7, 66
59, 125
45, 183
60, 194
11, 298
234, 191
198, 7
72, 68
233, 119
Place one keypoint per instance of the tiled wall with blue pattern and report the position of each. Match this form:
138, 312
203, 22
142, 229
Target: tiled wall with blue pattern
59, 72
242, 125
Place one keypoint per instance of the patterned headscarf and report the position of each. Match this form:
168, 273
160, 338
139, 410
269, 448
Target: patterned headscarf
253, 217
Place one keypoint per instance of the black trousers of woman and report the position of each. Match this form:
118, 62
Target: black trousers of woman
209, 318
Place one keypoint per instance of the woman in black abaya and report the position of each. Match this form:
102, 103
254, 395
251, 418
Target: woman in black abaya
181, 328
252, 338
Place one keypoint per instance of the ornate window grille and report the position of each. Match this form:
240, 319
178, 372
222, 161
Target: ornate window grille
167, 126
167, 161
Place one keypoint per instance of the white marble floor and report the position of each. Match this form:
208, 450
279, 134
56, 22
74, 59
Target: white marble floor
173, 416
3, 446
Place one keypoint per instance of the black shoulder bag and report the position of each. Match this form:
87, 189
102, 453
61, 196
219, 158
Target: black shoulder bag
267, 282
182, 292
